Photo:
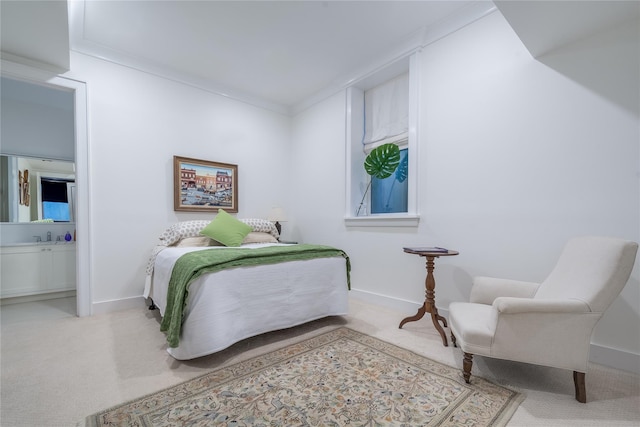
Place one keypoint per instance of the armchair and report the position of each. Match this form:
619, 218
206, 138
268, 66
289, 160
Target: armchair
550, 323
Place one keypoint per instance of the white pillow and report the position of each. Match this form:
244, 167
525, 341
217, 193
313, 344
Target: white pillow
182, 230
259, 237
196, 241
262, 225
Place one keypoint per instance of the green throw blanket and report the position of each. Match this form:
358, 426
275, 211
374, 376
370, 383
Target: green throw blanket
192, 265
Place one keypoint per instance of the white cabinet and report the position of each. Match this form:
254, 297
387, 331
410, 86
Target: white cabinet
33, 269
63, 268
22, 270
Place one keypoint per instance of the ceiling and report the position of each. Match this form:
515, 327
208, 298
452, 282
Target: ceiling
544, 26
282, 55
35, 33
281, 52
276, 54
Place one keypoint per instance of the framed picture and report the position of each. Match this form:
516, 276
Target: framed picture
204, 186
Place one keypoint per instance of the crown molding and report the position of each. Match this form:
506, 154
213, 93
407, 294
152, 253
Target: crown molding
45, 67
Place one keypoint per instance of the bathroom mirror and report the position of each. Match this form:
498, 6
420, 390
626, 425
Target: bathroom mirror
34, 189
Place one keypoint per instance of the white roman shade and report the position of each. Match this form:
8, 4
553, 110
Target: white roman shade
386, 111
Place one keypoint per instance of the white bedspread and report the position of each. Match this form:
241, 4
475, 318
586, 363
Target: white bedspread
231, 305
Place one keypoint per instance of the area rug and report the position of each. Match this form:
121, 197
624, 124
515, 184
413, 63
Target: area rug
339, 378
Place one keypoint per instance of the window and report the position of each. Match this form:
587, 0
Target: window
389, 195
55, 199
386, 117
383, 109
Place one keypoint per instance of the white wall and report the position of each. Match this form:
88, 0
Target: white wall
515, 158
37, 121
137, 123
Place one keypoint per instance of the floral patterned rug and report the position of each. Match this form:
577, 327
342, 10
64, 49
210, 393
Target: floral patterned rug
339, 378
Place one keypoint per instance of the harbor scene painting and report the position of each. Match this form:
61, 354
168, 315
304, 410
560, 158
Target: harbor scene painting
202, 185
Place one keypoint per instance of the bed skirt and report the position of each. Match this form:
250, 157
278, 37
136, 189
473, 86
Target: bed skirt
228, 306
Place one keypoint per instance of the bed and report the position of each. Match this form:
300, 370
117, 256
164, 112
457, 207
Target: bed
230, 299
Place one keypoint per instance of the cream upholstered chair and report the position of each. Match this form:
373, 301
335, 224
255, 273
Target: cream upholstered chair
550, 323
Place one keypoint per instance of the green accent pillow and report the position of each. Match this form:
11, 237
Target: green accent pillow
226, 229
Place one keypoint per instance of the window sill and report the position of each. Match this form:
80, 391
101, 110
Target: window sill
382, 220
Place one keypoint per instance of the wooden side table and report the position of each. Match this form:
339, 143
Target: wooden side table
429, 306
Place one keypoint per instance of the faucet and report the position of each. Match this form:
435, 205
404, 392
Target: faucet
38, 238
48, 236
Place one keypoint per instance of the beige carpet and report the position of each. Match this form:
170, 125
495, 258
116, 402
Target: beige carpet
56, 372
341, 377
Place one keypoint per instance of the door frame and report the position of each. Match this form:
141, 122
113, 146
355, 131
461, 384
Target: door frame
83, 230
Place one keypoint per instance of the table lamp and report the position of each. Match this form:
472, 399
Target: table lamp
277, 215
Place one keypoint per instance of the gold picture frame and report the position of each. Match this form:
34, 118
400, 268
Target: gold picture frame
204, 186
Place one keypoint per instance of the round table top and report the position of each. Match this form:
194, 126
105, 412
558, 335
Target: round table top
430, 251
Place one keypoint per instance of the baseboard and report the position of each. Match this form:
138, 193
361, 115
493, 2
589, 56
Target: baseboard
37, 297
615, 358
601, 355
393, 303
117, 305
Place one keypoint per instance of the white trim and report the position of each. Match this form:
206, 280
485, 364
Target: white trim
615, 358
25, 73
111, 306
414, 150
54, 69
401, 140
37, 297
382, 220
83, 199
612, 357
354, 122
355, 156
83, 242
385, 301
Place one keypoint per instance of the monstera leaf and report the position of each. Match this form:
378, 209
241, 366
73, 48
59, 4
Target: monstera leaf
383, 161
401, 175
403, 169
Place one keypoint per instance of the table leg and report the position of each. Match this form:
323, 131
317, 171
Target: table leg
419, 315
429, 305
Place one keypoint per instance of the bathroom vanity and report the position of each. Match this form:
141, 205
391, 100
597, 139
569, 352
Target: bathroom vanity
37, 268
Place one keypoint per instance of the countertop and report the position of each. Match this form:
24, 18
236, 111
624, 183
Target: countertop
63, 242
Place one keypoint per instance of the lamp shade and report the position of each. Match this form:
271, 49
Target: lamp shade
277, 214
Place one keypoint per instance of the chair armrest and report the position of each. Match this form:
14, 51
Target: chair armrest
543, 331
486, 289
510, 305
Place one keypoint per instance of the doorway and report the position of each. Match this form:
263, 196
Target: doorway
83, 250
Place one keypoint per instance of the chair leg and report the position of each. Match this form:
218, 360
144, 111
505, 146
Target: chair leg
453, 340
581, 390
467, 362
